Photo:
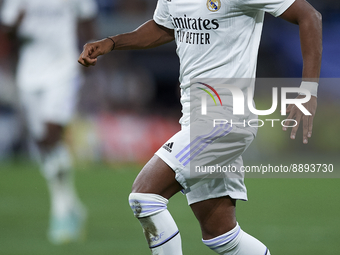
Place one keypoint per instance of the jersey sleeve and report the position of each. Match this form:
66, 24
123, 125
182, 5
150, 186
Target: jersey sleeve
274, 7
87, 9
10, 11
162, 16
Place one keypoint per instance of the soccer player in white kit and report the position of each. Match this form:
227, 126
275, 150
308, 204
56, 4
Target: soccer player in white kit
215, 39
48, 79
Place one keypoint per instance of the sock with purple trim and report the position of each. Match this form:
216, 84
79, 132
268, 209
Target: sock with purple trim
236, 241
159, 227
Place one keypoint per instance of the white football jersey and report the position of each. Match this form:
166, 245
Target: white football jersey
216, 38
49, 28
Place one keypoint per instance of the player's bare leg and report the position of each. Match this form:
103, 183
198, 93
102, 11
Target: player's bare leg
53, 135
216, 216
151, 190
220, 230
67, 213
156, 177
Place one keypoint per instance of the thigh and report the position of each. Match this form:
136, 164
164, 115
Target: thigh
156, 177
216, 216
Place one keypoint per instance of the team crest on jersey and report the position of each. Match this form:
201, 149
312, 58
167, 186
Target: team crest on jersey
213, 5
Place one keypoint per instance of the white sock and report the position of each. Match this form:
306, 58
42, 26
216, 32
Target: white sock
236, 241
56, 168
159, 227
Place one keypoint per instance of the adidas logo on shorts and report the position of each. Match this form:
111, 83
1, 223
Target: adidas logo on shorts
168, 146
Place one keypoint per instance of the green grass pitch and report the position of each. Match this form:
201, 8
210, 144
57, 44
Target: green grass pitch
291, 216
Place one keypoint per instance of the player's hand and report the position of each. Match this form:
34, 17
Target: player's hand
307, 120
92, 50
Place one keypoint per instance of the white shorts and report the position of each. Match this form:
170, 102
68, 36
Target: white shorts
222, 146
51, 105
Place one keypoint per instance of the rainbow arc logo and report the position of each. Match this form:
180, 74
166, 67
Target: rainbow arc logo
209, 93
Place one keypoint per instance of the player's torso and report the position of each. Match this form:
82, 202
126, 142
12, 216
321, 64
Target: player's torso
48, 31
43, 19
213, 37
195, 21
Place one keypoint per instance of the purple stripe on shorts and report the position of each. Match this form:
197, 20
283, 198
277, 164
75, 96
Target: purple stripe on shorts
205, 144
199, 139
194, 141
202, 140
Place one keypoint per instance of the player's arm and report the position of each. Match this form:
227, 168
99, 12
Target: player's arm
148, 35
310, 26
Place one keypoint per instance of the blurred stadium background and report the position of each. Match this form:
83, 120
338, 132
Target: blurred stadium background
129, 105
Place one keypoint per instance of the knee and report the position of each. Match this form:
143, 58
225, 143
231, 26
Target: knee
217, 228
145, 204
53, 135
159, 227
216, 216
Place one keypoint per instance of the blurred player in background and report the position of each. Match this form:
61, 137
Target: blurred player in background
48, 79
215, 39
